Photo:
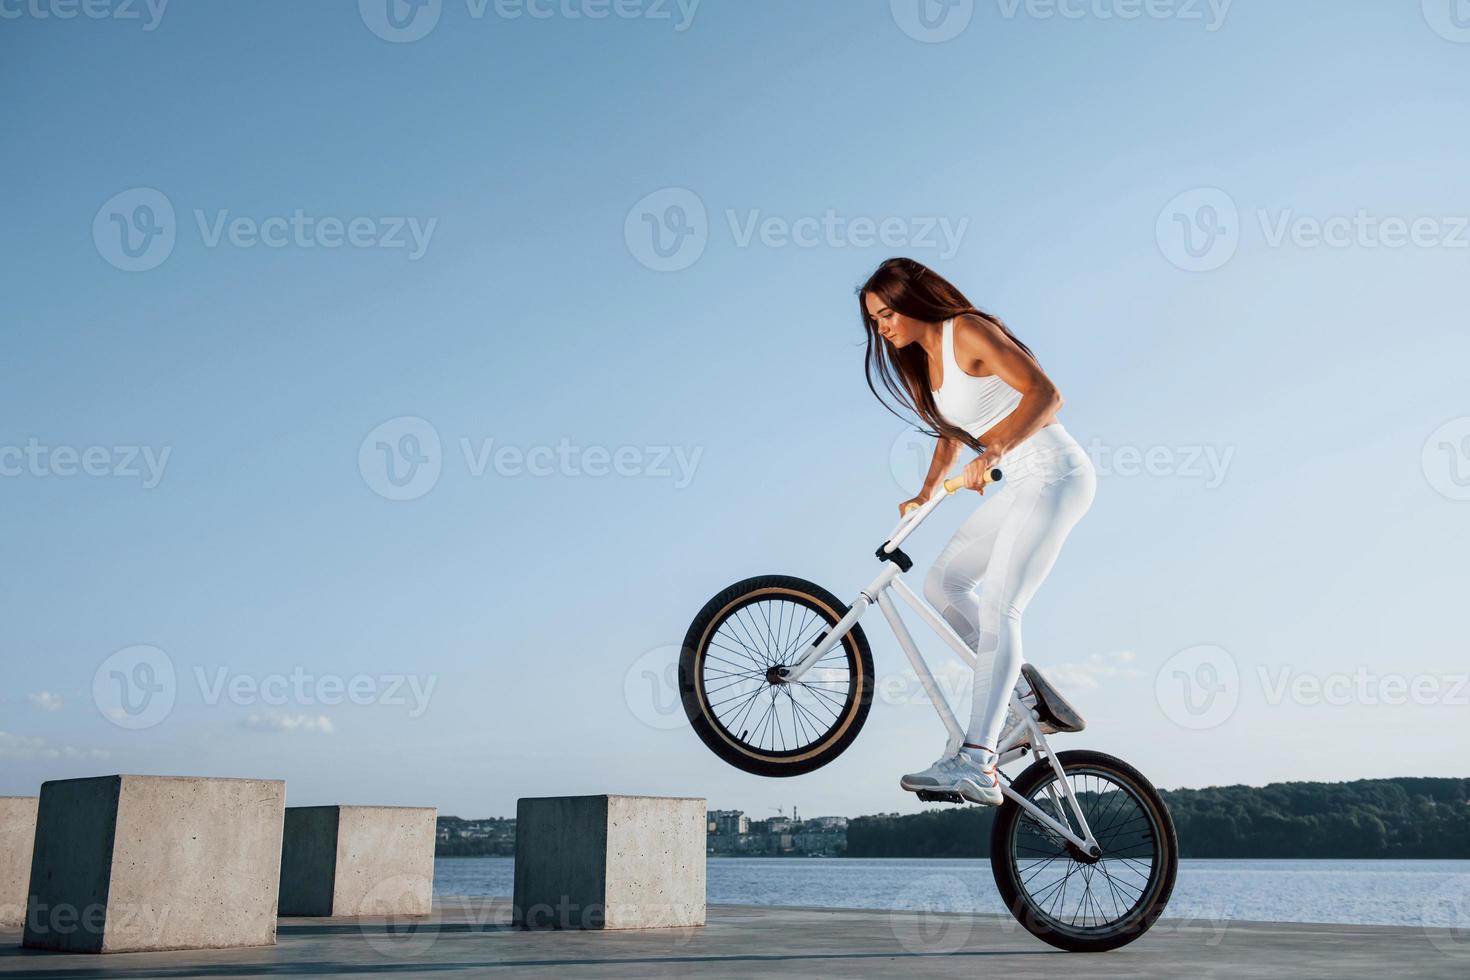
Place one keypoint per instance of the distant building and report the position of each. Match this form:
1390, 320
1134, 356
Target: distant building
825, 823
728, 822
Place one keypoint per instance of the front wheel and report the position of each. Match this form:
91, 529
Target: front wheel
1069, 899
735, 696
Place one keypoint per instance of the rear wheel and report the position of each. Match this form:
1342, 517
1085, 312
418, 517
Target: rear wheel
735, 696
1075, 901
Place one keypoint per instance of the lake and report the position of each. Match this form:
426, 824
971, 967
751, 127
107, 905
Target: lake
1406, 893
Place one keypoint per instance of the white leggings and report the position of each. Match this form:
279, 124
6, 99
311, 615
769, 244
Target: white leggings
1005, 550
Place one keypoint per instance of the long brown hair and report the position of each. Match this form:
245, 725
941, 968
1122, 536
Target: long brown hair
918, 292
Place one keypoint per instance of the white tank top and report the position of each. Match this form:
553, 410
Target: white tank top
967, 402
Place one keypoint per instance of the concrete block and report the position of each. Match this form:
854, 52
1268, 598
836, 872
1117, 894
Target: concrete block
130, 863
609, 862
358, 860
17, 839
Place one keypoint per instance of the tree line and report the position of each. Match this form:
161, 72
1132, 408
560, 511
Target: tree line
1368, 818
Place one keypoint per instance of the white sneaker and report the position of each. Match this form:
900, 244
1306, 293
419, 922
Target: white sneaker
960, 774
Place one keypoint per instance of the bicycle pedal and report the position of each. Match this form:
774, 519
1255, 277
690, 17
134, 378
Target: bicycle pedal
929, 796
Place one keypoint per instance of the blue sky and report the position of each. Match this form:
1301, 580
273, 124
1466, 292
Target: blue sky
1234, 234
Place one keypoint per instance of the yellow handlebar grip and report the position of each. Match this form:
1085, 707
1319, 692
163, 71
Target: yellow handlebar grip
958, 483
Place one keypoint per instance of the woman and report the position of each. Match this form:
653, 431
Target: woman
968, 378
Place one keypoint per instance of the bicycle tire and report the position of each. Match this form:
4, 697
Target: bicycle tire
761, 600
1158, 835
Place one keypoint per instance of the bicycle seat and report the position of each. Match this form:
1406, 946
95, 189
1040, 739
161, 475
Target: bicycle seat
1056, 712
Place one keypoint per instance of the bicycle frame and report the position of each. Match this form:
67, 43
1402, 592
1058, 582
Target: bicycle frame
1013, 740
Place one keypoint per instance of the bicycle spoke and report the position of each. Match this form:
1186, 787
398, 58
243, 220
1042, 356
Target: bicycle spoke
756, 636
1087, 897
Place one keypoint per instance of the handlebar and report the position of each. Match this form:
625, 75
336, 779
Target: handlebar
915, 515
954, 483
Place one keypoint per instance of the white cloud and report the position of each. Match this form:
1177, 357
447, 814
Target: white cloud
35, 747
289, 723
45, 700
1090, 672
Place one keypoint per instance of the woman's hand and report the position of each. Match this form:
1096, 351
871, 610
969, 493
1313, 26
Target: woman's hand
976, 472
909, 505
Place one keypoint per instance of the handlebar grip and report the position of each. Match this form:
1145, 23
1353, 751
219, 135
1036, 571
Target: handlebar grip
950, 486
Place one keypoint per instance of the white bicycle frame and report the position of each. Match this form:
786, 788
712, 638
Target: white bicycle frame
1013, 740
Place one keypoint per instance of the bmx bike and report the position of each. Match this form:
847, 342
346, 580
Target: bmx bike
776, 677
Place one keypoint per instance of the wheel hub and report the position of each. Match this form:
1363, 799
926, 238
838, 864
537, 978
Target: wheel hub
776, 674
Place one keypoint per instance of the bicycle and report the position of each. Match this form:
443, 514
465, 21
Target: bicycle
1077, 829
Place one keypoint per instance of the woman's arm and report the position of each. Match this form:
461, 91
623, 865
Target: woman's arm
945, 451
979, 340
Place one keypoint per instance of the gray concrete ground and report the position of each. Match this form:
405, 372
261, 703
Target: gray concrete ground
473, 937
